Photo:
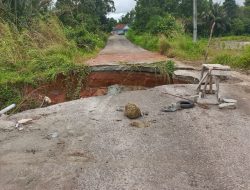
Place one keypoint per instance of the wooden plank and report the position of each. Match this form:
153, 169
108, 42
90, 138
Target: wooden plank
199, 85
211, 85
205, 86
217, 82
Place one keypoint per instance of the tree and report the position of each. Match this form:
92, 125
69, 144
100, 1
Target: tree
247, 3
246, 16
128, 18
92, 13
166, 25
216, 15
230, 8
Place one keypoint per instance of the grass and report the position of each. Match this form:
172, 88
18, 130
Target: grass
180, 46
235, 38
36, 56
241, 60
147, 41
183, 48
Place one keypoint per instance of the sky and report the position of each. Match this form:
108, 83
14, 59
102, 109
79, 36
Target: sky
124, 6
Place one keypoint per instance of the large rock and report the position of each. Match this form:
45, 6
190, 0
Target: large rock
132, 111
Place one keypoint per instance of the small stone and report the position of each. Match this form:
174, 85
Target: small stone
132, 111
47, 100
145, 113
227, 106
139, 124
24, 121
120, 109
153, 121
229, 100
80, 138
54, 135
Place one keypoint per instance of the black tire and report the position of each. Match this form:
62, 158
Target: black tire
185, 104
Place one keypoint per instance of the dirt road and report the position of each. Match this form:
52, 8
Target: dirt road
87, 144
120, 50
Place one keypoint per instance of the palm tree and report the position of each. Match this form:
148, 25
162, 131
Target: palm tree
217, 19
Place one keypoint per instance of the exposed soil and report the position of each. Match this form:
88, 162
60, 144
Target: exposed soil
97, 84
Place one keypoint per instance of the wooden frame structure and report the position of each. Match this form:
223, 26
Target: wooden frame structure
210, 74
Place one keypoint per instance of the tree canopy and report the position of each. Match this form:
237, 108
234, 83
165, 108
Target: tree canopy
229, 17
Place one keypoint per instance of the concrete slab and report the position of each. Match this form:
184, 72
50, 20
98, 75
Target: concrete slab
96, 148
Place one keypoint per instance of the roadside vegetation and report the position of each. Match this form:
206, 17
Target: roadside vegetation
180, 46
39, 41
167, 28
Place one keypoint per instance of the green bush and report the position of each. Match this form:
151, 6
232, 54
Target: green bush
84, 39
164, 45
166, 25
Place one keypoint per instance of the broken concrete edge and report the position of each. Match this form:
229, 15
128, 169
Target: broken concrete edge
127, 67
147, 68
135, 67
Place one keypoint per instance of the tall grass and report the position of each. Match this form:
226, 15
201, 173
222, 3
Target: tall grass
236, 61
183, 48
146, 40
180, 46
36, 55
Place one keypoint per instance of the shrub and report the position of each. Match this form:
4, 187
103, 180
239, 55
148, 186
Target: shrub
166, 25
84, 39
164, 45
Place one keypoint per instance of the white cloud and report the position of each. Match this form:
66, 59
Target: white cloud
124, 6
240, 2
116, 16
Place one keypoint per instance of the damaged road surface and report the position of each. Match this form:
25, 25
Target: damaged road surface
88, 144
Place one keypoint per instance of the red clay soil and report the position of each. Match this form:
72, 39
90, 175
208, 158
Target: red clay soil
114, 59
97, 85
97, 79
